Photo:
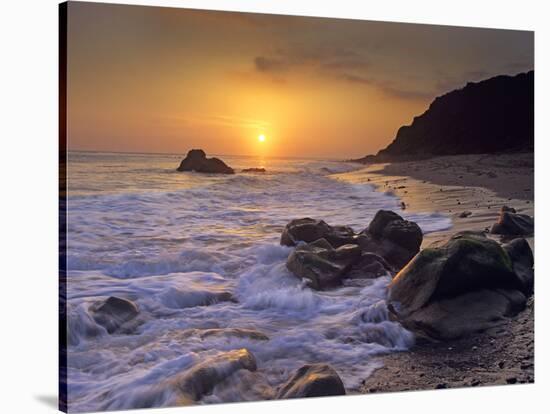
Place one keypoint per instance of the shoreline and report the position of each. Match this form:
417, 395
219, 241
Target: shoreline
453, 185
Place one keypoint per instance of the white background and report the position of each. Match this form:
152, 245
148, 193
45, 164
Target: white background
28, 203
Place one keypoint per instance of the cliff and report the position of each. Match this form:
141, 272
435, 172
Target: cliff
493, 115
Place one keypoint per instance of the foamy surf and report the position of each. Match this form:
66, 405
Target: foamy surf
201, 252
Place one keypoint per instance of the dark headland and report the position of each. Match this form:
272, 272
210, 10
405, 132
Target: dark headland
495, 115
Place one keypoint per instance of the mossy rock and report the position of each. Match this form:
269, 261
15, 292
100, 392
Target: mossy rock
466, 285
467, 262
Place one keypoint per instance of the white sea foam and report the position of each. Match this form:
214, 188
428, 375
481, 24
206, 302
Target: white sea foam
173, 242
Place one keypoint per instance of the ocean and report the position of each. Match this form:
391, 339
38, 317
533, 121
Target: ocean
172, 241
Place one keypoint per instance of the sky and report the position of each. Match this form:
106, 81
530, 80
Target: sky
165, 80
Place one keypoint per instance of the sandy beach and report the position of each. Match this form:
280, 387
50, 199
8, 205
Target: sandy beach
480, 185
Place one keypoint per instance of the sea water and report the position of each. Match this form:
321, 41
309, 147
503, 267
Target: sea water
170, 241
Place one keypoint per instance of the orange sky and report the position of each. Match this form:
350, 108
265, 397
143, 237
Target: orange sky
151, 79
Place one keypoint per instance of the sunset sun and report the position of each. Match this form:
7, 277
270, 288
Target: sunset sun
261, 137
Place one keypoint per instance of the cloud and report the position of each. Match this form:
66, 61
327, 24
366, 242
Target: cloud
270, 65
340, 64
357, 79
320, 58
346, 64
389, 88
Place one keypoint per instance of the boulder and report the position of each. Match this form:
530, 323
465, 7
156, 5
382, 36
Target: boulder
381, 219
465, 285
369, 266
315, 380
196, 161
390, 236
387, 244
521, 255
113, 313
460, 316
321, 264
308, 230
201, 379
510, 223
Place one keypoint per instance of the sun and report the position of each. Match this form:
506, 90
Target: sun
261, 137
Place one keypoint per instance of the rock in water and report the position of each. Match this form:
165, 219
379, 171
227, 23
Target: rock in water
381, 219
234, 332
321, 264
466, 285
316, 380
309, 230
389, 235
511, 223
201, 379
369, 266
254, 170
196, 161
113, 312
387, 244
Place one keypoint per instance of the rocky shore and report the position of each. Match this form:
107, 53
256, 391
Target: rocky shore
499, 356
471, 189
466, 295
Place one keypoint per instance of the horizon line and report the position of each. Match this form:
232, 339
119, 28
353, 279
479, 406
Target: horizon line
342, 159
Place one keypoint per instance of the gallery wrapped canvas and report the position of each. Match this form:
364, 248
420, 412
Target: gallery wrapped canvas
258, 207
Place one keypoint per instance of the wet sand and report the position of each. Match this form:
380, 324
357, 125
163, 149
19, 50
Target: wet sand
481, 185
452, 185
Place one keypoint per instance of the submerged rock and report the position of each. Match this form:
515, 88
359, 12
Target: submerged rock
321, 264
316, 380
113, 313
309, 230
234, 332
389, 235
201, 379
196, 161
511, 223
180, 299
466, 285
